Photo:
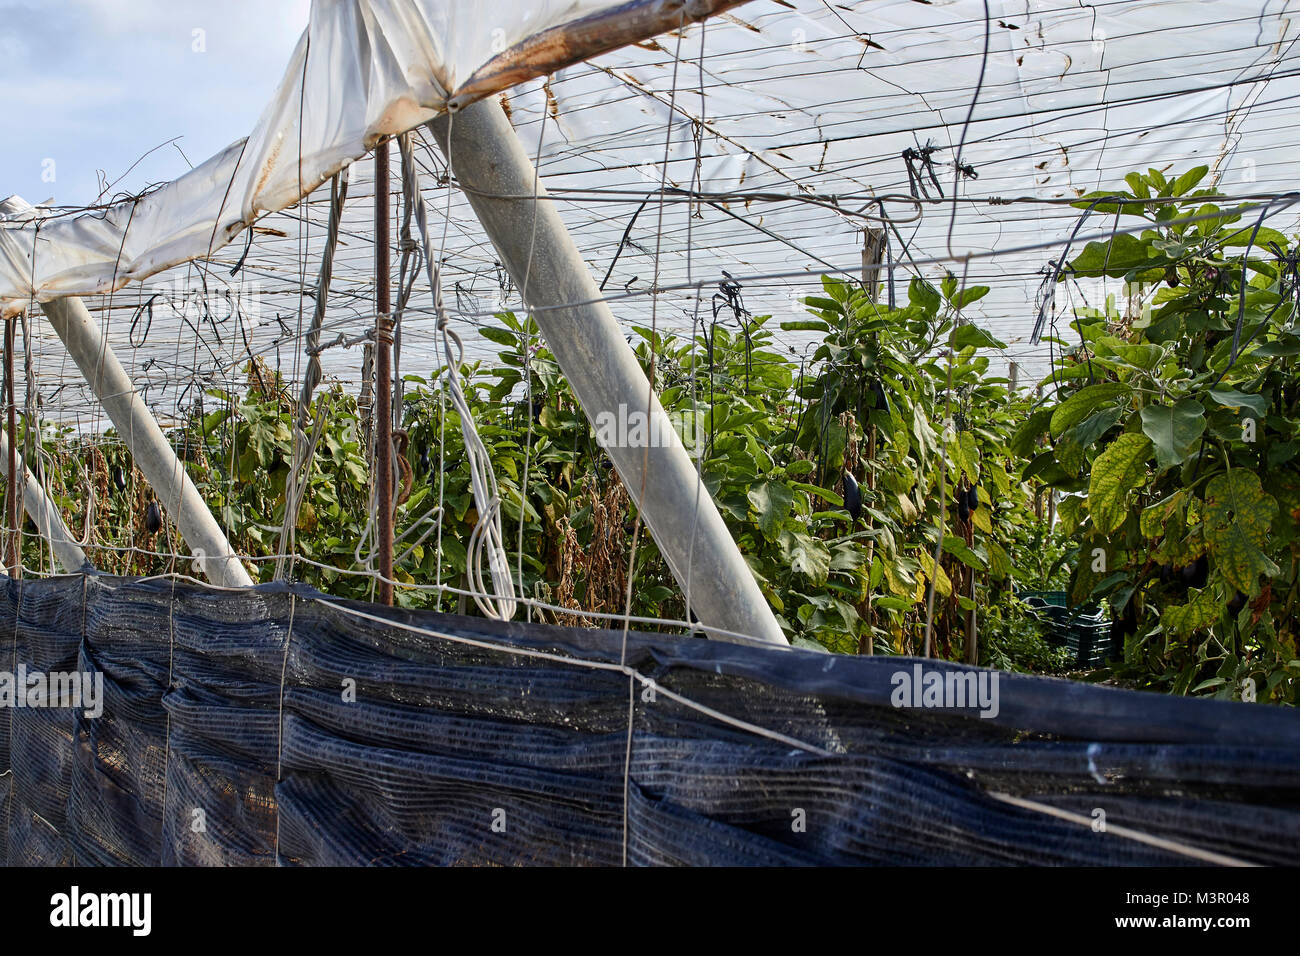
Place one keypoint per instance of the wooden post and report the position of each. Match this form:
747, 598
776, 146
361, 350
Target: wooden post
972, 634
383, 379
1038, 488
1014, 376
366, 402
873, 250
943, 515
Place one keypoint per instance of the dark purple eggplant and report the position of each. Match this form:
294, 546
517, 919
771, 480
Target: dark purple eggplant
852, 496
152, 518
973, 498
1125, 623
119, 478
1196, 574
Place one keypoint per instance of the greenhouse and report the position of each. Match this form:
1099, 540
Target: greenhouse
673, 432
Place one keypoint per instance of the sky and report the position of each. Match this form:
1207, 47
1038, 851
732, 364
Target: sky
91, 86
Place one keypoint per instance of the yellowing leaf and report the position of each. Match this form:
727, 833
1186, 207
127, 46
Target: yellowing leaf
1155, 519
1067, 513
1198, 613
1238, 516
1117, 471
942, 583
965, 456
999, 562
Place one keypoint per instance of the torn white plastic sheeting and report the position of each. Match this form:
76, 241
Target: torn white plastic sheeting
363, 70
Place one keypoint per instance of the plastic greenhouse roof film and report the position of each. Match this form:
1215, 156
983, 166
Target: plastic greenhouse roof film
771, 133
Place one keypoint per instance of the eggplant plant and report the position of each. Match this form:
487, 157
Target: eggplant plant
1172, 426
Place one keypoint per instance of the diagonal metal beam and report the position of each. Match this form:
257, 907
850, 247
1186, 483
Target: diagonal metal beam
44, 512
144, 438
490, 163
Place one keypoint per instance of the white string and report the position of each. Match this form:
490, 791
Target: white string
498, 604
1173, 846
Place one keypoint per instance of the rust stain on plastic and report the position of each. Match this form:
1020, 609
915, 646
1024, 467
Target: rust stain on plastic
550, 50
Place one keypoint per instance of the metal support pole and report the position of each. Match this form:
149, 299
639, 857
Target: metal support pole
489, 161
383, 379
44, 512
145, 440
13, 557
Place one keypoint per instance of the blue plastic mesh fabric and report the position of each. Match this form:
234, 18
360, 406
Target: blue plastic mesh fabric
226, 739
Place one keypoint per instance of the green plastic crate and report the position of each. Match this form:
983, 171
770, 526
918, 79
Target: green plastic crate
1084, 631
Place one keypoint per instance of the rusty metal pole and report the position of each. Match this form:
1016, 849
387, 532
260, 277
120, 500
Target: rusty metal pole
383, 379
13, 546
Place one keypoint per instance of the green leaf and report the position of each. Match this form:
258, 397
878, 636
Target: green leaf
807, 644
1173, 430
1115, 258
971, 294
889, 603
1116, 471
1155, 519
825, 305
1143, 356
1238, 517
1084, 402
846, 557
1188, 180
1093, 428
1282, 347
1232, 399
921, 293
499, 336
971, 334
1026, 437
1137, 184
816, 491
806, 555
962, 552
771, 503
1240, 237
